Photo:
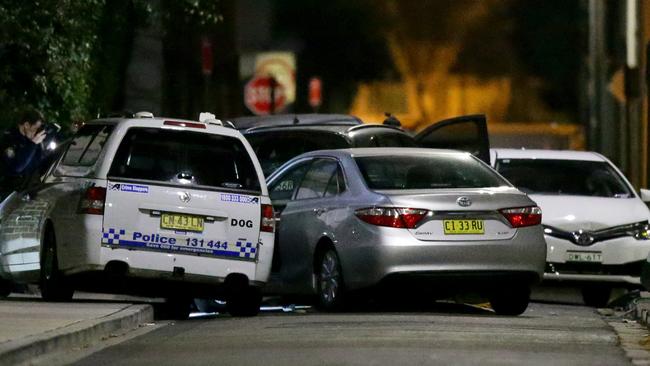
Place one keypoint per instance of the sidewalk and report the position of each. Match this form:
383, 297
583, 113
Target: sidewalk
30, 327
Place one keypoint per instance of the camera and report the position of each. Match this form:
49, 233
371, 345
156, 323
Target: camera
52, 134
50, 128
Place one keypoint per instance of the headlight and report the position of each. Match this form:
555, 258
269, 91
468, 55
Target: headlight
642, 233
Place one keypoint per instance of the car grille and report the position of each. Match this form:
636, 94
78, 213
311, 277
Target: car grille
628, 269
587, 238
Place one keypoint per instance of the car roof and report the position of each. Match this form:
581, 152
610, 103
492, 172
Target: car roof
247, 122
341, 128
386, 151
547, 154
159, 122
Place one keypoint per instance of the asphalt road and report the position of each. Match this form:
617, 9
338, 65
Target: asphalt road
547, 334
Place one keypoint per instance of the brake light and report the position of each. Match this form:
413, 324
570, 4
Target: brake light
93, 200
523, 216
392, 216
185, 124
268, 219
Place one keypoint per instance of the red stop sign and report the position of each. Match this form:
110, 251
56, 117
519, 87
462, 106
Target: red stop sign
257, 95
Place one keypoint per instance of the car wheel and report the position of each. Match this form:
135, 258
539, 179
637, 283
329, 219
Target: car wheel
329, 282
510, 301
244, 302
596, 296
54, 286
5, 288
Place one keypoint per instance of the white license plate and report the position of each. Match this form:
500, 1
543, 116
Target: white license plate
584, 257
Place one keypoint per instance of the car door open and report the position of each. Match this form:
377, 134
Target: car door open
467, 133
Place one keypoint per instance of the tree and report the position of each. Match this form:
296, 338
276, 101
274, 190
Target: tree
45, 51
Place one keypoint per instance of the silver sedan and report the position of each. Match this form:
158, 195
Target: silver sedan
411, 218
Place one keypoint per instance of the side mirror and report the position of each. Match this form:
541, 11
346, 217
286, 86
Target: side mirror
645, 195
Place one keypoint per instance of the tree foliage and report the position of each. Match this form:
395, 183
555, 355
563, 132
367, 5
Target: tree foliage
45, 57
68, 57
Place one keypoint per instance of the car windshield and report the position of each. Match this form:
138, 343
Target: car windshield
426, 172
183, 157
565, 177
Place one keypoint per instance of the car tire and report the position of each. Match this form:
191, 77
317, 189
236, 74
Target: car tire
54, 286
5, 288
330, 286
244, 302
510, 301
596, 296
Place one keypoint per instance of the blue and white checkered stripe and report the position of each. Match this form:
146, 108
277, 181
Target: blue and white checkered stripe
112, 236
246, 249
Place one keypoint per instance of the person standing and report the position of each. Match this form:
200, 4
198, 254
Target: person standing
21, 152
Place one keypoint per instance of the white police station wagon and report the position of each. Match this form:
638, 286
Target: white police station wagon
148, 206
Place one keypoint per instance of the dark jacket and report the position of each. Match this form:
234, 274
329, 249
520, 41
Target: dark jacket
19, 159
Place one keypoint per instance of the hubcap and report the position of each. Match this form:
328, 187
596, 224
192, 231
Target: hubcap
329, 278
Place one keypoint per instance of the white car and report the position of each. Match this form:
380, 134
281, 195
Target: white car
148, 206
595, 224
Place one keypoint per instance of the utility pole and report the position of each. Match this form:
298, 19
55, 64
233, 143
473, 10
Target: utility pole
633, 98
596, 69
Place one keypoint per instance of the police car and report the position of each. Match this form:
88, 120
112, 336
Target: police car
148, 206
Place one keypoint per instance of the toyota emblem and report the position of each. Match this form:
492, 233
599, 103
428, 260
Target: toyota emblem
582, 238
464, 201
184, 197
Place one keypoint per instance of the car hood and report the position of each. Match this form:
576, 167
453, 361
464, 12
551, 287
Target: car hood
589, 213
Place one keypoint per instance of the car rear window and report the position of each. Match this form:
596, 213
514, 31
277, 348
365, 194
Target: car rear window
274, 149
185, 158
570, 177
83, 151
426, 172
382, 138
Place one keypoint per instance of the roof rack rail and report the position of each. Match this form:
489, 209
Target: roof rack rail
143, 114
209, 118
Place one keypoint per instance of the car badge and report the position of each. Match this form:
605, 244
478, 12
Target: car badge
184, 197
582, 238
464, 201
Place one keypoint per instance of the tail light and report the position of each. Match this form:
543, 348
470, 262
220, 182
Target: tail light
93, 200
268, 219
392, 216
523, 216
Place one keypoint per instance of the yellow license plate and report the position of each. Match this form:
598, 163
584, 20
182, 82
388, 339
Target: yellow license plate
453, 227
181, 222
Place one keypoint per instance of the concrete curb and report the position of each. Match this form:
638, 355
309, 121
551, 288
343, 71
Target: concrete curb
76, 335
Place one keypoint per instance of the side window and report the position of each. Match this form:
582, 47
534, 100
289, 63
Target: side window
336, 184
282, 190
86, 145
83, 151
317, 179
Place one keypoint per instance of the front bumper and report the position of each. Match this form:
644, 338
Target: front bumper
622, 261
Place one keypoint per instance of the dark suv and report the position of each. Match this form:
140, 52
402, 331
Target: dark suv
278, 138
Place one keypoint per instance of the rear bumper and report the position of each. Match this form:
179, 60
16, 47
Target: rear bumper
150, 283
390, 255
